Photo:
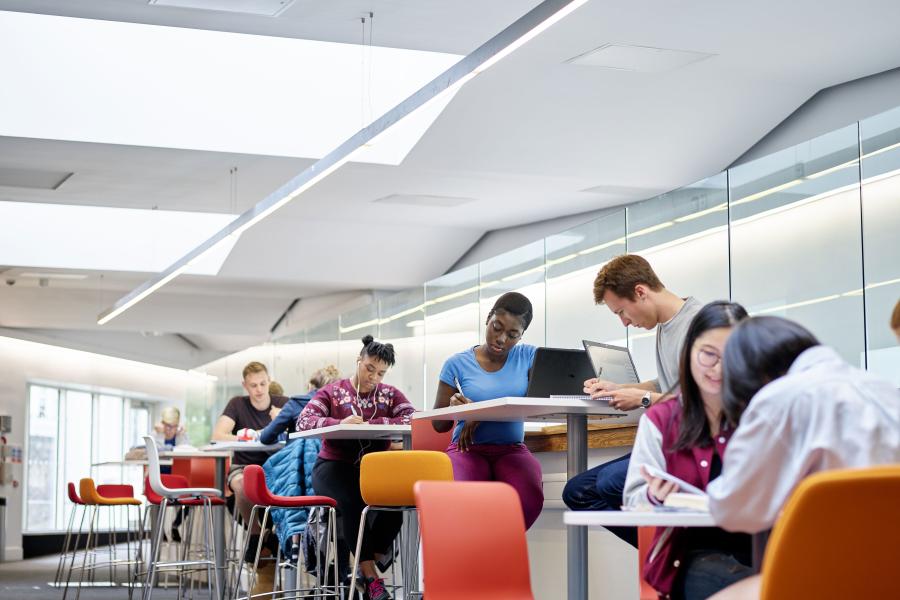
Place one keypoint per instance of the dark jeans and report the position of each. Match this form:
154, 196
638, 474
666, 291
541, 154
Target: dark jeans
601, 488
340, 480
706, 572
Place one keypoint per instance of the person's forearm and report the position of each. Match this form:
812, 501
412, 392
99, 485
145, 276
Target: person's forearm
223, 437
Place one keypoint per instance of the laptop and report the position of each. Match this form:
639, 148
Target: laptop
559, 372
613, 363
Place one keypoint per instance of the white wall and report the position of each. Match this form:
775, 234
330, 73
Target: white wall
22, 362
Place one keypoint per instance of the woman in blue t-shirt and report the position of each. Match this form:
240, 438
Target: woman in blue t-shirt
493, 450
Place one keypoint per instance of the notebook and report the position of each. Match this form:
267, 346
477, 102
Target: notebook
559, 373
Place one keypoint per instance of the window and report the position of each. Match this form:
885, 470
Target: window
69, 432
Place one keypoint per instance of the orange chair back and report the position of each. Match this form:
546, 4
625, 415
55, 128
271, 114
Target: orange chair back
473, 541
387, 478
645, 541
424, 437
89, 495
836, 538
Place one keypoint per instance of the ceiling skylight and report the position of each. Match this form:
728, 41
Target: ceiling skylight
55, 236
185, 88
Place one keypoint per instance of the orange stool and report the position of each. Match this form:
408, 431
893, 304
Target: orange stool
480, 525
386, 481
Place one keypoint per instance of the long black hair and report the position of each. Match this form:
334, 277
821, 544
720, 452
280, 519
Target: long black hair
515, 304
760, 350
694, 430
383, 352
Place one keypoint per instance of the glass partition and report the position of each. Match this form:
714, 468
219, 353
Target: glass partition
354, 325
880, 143
322, 348
796, 247
573, 259
452, 322
684, 236
402, 323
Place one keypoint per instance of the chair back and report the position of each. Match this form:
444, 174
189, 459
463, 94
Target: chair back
473, 541
387, 478
116, 490
836, 537
170, 481
153, 472
255, 487
424, 437
645, 541
73, 495
88, 491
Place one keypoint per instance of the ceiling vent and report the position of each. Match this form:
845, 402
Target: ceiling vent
32, 178
424, 200
264, 8
641, 59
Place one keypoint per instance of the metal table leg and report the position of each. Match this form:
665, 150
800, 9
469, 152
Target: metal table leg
576, 537
410, 547
219, 538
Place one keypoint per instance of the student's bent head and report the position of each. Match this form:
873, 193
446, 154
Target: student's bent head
626, 284
375, 359
506, 323
324, 376
256, 381
760, 350
895, 320
700, 368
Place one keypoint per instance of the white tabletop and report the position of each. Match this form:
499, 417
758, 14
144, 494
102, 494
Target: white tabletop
130, 462
523, 409
356, 432
638, 518
220, 450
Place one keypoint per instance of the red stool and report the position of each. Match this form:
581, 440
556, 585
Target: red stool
262, 497
61, 568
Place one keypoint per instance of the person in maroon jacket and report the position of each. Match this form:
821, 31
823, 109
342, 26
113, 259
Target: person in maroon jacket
686, 436
357, 400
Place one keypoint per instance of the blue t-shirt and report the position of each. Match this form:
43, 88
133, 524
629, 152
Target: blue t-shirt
478, 384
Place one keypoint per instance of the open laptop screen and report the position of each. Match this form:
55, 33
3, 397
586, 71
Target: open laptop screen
612, 363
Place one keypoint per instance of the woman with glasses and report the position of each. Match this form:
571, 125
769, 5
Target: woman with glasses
494, 451
686, 436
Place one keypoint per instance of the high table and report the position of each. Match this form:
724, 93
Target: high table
221, 451
575, 412
367, 431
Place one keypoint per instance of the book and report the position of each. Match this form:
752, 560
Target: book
684, 486
687, 501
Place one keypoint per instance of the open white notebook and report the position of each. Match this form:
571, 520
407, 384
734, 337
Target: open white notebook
684, 486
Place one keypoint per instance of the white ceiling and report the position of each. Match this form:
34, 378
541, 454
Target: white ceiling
523, 140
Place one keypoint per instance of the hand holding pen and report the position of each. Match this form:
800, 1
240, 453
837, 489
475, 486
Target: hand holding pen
354, 419
459, 398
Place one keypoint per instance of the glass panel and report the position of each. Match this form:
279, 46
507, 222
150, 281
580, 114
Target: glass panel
684, 236
290, 364
795, 238
78, 413
322, 348
880, 137
41, 494
573, 259
403, 324
451, 322
354, 325
520, 270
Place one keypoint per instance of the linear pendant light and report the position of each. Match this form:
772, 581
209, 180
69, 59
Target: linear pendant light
541, 17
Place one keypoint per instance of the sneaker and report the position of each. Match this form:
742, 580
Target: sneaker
375, 589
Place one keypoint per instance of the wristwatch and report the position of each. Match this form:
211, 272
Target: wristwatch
645, 400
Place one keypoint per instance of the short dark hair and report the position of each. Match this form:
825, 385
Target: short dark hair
621, 274
694, 429
515, 304
760, 350
383, 352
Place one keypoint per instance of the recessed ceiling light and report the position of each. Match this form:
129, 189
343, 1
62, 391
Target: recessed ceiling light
31, 275
266, 8
642, 59
424, 200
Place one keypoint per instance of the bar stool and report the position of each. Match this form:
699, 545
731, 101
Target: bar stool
94, 500
386, 481
61, 568
262, 497
205, 498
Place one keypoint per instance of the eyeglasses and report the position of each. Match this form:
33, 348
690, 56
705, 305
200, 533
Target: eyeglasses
707, 358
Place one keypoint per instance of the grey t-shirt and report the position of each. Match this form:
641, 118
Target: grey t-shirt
669, 340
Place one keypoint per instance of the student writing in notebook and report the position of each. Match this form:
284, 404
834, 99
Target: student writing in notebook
632, 291
686, 436
494, 451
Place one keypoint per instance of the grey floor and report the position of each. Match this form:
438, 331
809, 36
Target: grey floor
29, 579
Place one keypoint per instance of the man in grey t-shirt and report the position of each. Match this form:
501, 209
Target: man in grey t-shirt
631, 290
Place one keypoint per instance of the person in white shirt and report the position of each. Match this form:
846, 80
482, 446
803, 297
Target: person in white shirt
799, 409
